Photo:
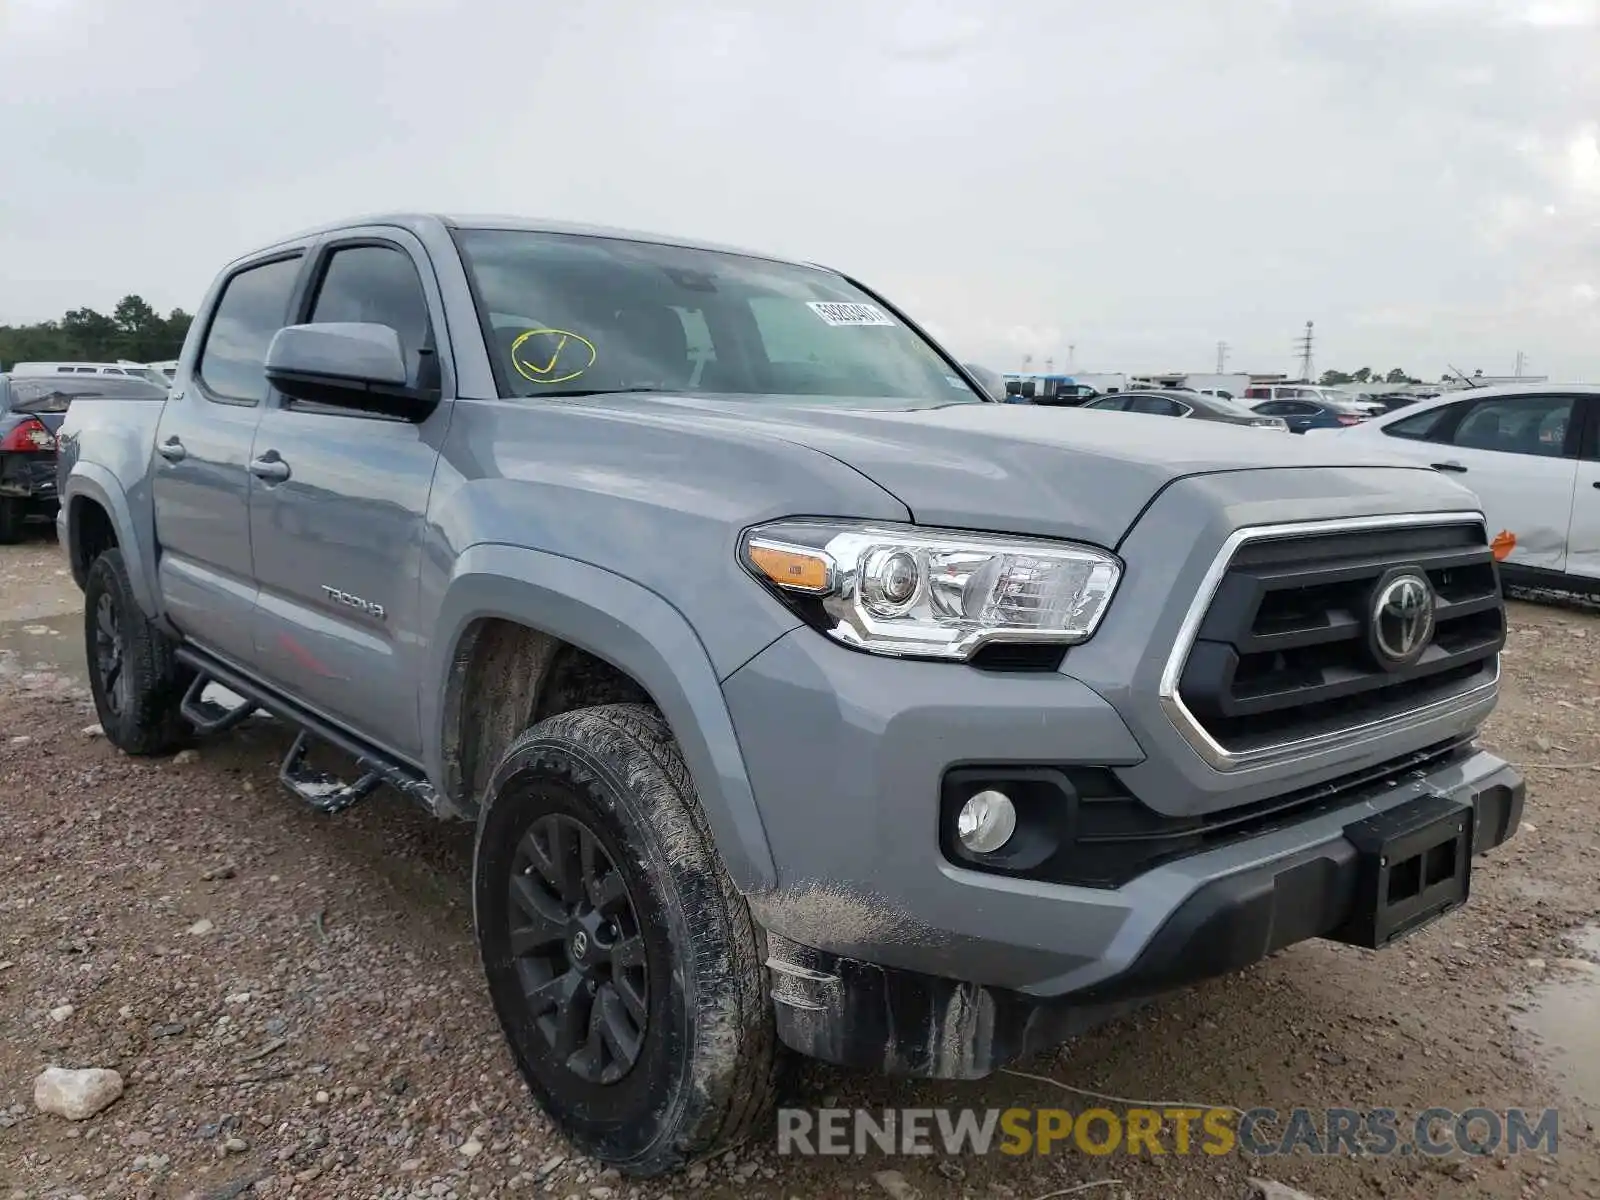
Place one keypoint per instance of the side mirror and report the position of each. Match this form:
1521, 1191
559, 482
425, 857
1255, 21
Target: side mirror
346, 365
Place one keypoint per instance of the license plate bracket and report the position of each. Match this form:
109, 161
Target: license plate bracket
1413, 865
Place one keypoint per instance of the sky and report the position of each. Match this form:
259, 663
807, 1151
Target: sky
1139, 180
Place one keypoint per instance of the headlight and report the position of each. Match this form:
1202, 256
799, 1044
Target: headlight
900, 590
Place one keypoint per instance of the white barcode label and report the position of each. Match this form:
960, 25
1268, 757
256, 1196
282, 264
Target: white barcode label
836, 312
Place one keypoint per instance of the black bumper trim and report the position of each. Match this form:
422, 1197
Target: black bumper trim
864, 1015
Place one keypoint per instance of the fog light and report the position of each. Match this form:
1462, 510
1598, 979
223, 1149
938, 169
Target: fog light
986, 822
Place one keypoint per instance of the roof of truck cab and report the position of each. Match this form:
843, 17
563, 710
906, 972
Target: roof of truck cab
415, 222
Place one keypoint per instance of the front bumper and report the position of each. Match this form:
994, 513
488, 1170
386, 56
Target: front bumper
887, 952
855, 1013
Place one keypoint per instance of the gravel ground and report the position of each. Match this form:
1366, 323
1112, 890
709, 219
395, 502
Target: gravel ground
296, 1007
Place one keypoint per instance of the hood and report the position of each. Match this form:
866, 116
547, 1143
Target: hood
1053, 472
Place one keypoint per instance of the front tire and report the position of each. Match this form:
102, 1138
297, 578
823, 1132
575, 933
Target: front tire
622, 961
134, 675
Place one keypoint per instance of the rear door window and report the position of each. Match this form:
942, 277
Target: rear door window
253, 306
1158, 406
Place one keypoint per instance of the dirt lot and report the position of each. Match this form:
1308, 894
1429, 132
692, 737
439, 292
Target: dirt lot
295, 1004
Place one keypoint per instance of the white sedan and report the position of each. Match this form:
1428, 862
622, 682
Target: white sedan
1532, 456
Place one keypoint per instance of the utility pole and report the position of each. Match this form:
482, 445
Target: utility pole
1303, 346
1522, 363
1222, 358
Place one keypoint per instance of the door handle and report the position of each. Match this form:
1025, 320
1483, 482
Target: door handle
270, 467
172, 449
1452, 465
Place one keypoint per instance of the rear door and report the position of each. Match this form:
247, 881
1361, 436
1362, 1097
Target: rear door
1518, 454
338, 541
201, 479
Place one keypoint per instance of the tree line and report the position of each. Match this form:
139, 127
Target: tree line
133, 330
1365, 375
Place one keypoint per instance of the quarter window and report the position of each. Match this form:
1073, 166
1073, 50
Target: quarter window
254, 305
1424, 426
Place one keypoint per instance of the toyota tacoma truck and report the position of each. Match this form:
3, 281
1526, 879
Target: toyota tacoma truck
803, 697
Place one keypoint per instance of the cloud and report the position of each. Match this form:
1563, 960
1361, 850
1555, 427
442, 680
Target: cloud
1142, 180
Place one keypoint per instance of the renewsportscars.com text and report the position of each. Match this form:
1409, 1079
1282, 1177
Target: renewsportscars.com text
1258, 1132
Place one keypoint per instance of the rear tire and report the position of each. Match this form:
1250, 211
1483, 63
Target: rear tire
626, 971
12, 514
137, 681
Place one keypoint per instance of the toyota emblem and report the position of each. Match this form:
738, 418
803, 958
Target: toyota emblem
1402, 618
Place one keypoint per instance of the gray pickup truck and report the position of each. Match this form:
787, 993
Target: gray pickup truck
804, 698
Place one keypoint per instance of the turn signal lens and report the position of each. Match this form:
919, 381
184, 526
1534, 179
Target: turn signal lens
791, 567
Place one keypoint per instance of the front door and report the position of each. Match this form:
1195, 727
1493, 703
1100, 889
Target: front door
1583, 536
338, 519
200, 477
1519, 455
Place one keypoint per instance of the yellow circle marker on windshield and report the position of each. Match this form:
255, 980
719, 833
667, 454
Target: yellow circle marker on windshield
565, 355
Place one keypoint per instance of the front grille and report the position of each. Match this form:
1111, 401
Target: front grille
1282, 654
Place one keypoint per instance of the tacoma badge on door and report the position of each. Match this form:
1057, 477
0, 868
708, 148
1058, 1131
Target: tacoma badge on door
349, 601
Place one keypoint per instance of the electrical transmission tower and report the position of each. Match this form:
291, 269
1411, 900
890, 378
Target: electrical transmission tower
1304, 345
1222, 357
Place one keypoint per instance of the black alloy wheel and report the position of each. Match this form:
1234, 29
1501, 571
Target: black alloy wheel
578, 950
109, 653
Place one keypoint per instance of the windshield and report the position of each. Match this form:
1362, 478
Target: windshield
571, 314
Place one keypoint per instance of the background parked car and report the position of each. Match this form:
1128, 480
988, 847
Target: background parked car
1323, 412
32, 408
1389, 401
1172, 402
1531, 454
1309, 391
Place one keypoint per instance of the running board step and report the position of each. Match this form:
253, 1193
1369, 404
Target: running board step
323, 790
207, 716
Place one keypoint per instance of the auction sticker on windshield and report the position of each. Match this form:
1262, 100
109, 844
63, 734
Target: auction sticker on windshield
838, 312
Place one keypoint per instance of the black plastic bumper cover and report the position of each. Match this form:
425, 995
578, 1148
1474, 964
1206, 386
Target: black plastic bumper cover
30, 476
864, 1015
